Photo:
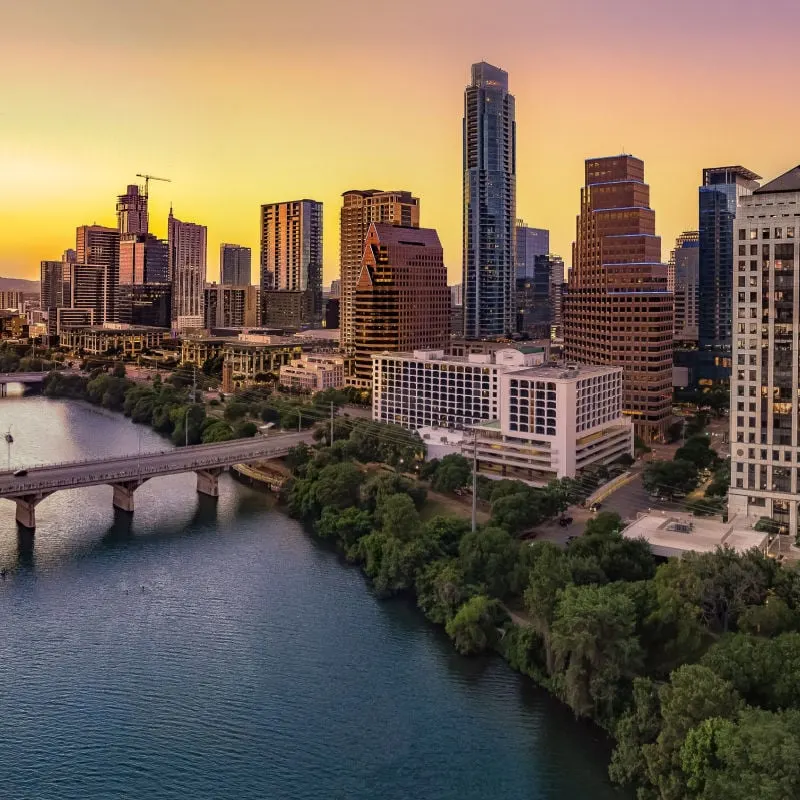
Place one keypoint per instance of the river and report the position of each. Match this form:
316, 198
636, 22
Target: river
205, 649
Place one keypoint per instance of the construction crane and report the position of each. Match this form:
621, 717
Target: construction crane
148, 178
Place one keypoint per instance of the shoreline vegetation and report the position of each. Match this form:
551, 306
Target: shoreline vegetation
692, 666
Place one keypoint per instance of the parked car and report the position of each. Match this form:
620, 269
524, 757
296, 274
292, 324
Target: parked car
564, 521
595, 507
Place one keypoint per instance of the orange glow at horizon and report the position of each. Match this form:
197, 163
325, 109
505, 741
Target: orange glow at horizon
243, 103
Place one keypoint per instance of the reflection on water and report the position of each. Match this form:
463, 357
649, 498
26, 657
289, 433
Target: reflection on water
210, 649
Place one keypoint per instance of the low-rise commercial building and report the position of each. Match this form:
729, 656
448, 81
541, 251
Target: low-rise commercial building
430, 388
230, 306
313, 373
554, 422
675, 534
246, 355
120, 339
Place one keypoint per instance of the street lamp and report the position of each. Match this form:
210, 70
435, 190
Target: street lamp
186, 425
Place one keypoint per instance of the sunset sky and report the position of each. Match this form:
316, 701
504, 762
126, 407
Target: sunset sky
244, 102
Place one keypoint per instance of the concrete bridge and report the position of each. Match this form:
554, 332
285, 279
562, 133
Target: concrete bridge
127, 473
28, 378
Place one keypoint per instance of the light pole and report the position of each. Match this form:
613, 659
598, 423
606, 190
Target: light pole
186, 425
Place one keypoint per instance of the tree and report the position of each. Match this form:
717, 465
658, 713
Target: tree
721, 480
549, 575
215, 431
345, 527
603, 524
766, 672
298, 457
472, 629
595, 650
235, 409
694, 694
488, 557
441, 589
338, 486
670, 477
447, 532
119, 370
755, 755
244, 430
398, 516
697, 451
454, 472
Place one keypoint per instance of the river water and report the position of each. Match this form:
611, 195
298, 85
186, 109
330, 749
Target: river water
210, 649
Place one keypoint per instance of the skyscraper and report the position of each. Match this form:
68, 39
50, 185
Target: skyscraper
489, 204
143, 259
187, 267
291, 255
618, 310
360, 207
722, 188
684, 269
234, 265
98, 246
132, 212
52, 289
402, 300
531, 242
538, 296
765, 406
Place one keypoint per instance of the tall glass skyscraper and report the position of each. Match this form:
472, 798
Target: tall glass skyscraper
719, 195
490, 166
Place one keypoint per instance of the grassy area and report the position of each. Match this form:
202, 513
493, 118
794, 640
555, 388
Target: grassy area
448, 504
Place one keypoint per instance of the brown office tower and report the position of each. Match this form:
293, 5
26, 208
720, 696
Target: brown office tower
618, 310
402, 302
359, 209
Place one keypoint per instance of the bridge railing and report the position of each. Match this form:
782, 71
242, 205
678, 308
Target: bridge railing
129, 474
136, 456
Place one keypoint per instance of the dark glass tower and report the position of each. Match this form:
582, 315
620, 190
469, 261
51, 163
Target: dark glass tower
719, 194
489, 205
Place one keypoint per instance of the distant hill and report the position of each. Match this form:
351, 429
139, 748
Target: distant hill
19, 285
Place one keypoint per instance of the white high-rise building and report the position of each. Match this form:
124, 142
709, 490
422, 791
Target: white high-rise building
765, 407
187, 266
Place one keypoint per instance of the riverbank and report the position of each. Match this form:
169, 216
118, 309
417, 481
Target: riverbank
651, 653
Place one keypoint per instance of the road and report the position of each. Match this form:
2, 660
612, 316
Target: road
148, 465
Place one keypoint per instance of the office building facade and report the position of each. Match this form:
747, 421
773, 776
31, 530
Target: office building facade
187, 243
98, 246
684, 283
530, 243
617, 310
489, 191
765, 403
234, 265
430, 388
554, 423
146, 304
228, 306
722, 189
360, 208
143, 259
538, 296
402, 298
291, 255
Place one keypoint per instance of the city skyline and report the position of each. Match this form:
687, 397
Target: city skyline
225, 167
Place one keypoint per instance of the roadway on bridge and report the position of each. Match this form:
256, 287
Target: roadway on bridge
147, 465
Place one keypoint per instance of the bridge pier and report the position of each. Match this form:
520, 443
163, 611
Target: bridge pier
26, 509
208, 481
123, 494
3, 389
